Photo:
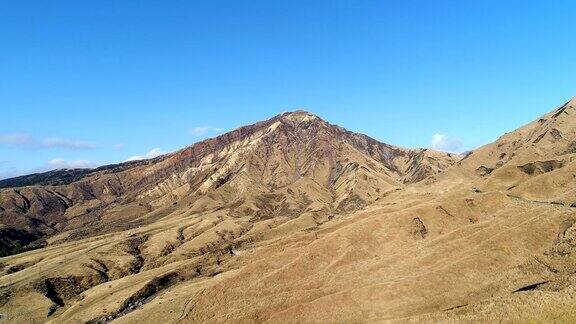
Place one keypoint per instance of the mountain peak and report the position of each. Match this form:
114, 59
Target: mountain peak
299, 112
299, 115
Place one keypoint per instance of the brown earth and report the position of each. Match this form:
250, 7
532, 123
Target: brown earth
297, 220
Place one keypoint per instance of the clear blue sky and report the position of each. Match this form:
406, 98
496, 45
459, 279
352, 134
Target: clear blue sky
96, 82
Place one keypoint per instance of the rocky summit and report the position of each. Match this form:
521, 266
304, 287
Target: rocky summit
294, 219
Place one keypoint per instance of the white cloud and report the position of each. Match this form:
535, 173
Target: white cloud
151, 154
59, 163
26, 141
9, 171
67, 144
16, 139
446, 143
118, 146
201, 130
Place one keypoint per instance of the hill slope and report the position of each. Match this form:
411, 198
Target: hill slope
296, 220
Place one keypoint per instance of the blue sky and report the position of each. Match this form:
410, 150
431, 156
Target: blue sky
86, 83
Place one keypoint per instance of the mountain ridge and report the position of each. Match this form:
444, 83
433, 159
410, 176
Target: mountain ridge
67, 175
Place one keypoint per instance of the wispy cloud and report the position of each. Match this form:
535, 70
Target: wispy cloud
67, 144
151, 154
118, 146
442, 142
16, 139
202, 130
60, 163
26, 141
10, 171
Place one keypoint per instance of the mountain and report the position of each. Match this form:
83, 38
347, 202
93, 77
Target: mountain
296, 220
288, 165
533, 162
